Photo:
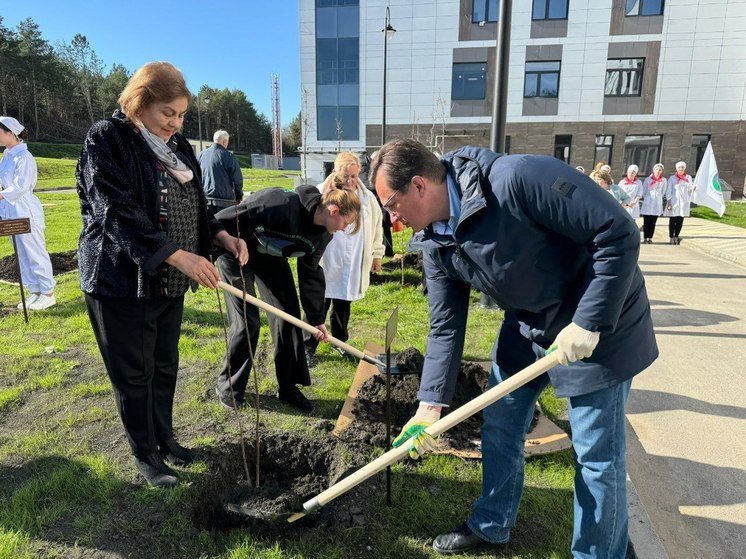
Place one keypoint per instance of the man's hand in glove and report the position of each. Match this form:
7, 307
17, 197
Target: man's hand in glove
415, 430
574, 343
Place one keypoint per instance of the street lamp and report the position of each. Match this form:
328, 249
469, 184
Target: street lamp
388, 31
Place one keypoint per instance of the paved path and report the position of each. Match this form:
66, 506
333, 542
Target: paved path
687, 413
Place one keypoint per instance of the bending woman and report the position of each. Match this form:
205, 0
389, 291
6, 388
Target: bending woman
350, 257
145, 242
17, 199
279, 224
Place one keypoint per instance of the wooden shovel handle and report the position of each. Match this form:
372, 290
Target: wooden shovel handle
455, 417
297, 322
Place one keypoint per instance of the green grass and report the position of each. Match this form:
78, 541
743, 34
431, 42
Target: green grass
735, 214
70, 490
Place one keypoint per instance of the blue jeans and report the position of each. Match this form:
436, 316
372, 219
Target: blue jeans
597, 421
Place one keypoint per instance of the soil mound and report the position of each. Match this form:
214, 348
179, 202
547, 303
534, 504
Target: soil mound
293, 470
61, 262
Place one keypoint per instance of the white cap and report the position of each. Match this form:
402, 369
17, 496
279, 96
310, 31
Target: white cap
11, 124
681, 164
606, 168
658, 165
633, 168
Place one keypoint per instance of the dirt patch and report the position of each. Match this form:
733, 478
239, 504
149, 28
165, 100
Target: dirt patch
293, 470
61, 262
369, 426
411, 260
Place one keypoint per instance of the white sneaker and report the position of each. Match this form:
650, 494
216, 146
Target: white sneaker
43, 302
30, 299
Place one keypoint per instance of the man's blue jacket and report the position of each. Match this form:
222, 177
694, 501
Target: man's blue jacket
551, 248
221, 174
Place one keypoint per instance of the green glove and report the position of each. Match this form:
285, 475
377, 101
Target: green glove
414, 430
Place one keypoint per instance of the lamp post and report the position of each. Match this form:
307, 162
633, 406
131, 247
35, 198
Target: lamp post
388, 31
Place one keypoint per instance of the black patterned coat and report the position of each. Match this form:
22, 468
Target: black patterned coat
121, 245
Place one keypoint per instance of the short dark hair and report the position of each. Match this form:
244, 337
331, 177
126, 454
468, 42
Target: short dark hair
22, 136
400, 160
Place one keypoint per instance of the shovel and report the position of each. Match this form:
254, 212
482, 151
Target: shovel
440, 426
304, 326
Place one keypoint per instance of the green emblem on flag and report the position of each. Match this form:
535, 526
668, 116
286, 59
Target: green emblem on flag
716, 183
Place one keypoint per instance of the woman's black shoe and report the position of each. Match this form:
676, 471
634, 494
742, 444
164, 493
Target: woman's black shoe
176, 454
294, 397
155, 471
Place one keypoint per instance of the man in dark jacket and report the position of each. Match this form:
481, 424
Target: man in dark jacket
221, 175
559, 255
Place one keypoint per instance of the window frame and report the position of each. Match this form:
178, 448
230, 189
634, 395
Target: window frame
538, 74
643, 171
695, 163
639, 10
597, 145
546, 11
615, 70
453, 71
568, 146
486, 12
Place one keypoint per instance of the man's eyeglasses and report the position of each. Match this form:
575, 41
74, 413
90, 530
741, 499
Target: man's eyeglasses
390, 206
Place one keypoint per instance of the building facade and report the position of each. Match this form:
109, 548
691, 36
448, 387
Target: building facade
623, 81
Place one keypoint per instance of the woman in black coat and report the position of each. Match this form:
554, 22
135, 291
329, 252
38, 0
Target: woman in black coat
145, 242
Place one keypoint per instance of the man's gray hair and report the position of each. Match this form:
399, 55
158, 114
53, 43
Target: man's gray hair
220, 135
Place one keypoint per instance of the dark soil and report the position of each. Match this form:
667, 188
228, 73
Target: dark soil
61, 262
369, 426
411, 260
410, 361
293, 470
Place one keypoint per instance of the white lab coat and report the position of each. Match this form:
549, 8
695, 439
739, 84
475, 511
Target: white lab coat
653, 192
18, 176
634, 191
348, 259
679, 192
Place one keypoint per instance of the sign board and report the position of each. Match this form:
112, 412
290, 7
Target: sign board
10, 227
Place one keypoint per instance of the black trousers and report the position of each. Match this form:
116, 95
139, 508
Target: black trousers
274, 279
139, 343
340, 318
388, 241
674, 226
648, 226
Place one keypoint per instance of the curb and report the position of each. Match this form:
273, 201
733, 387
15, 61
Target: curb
645, 542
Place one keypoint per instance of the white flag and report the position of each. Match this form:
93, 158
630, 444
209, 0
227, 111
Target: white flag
707, 183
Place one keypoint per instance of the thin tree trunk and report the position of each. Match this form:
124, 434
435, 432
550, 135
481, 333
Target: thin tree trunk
36, 104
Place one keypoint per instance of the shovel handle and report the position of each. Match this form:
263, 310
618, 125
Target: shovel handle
455, 417
297, 322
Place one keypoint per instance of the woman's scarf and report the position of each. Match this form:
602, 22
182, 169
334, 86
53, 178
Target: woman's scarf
175, 166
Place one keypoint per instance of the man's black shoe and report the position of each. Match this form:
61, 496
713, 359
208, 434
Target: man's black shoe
461, 539
227, 402
294, 397
311, 360
155, 471
176, 454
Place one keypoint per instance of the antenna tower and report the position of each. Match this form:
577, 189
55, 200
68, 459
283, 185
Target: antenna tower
276, 122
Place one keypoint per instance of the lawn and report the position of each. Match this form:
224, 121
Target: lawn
69, 488
735, 214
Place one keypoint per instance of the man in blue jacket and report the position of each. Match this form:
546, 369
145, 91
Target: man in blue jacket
559, 255
221, 174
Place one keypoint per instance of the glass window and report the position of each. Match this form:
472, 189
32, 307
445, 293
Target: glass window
326, 61
542, 79
485, 10
348, 122
699, 145
469, 81
330, 3
644, 7
604, 145
326, 94
643, 151
325, 123
624, 77
549, 9
562, 147
348, 21
337, 123
326, 23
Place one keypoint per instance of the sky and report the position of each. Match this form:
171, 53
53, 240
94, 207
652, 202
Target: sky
236, 44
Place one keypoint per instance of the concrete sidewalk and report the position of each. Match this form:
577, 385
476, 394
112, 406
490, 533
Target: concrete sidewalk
687, 413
